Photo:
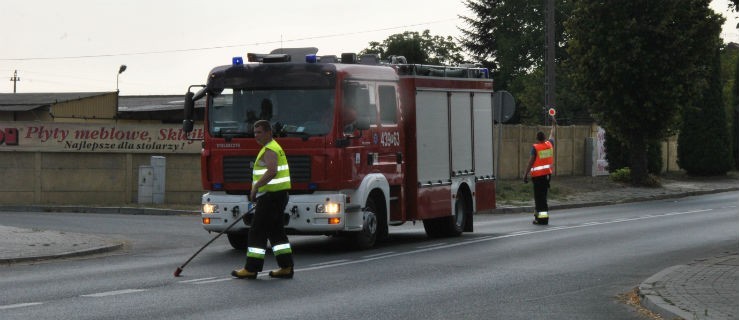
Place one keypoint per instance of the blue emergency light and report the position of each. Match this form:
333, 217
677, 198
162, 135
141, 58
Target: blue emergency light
237, 61
311, 58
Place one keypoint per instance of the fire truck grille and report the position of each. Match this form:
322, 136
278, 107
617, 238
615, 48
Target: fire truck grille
238, 169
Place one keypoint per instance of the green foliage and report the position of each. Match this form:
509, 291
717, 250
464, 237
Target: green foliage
618, 155
703, 142
508, 36
513, 191
419, 48
639, 63
621, 175
730, 82
734, 111
654, 157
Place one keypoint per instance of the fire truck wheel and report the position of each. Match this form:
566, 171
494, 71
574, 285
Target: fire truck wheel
366, 238
238, 241
450, 226
456, 225
432, 227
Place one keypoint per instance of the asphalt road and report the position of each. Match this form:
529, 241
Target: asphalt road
507, 269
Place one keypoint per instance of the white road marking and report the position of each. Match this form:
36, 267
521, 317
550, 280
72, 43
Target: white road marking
112, 293
196, 280
438, 246
384, 255
20, 305
329, 262
215, 280
378, 254
432, 245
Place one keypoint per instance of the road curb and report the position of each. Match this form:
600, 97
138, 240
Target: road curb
68, 254
651, 299
520, 209
103, 210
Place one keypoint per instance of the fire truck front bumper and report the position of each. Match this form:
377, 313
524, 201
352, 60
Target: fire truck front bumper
219, 210
304, 214
321, 214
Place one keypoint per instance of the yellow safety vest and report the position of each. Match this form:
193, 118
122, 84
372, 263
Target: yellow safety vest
281, 181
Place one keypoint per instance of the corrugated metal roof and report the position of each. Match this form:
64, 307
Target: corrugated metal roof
20, 107
154, 103
30, 101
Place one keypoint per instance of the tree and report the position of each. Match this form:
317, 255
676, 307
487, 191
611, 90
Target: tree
637, 70
618, 155
735, 122
640, 62
703, 139
508, 36
419, 48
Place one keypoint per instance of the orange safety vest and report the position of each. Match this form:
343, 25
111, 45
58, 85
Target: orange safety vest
544, 163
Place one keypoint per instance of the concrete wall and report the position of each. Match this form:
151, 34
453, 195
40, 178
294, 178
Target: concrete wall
91, 178
70, 178
516, 143
569, 149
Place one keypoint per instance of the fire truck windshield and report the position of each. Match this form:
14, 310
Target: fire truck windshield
303, 112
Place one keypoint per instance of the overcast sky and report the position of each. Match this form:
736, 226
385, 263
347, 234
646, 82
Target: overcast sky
167, 45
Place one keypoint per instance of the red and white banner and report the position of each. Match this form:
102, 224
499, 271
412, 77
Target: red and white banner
85, 137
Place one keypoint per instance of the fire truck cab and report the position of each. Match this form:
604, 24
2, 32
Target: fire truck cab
370, 144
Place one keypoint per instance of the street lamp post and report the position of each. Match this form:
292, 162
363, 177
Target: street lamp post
120, 70
118, 92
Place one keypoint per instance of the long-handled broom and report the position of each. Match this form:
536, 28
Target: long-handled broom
179, 269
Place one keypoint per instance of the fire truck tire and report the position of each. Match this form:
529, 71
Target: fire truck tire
238, 241
432, 227
456, 224
366, 238
451, 226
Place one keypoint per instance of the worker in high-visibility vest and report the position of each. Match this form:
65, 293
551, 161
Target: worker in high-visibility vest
541, 167
270, 185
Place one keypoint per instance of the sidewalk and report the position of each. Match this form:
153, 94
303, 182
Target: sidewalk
704, 289
24, 245
27, 245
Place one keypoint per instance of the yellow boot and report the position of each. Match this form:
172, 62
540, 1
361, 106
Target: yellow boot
244, 274
283, 273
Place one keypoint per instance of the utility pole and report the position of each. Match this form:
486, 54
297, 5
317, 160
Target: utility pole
550, 47
15, 79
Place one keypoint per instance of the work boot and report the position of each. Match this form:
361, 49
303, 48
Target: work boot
283, 273
244, 274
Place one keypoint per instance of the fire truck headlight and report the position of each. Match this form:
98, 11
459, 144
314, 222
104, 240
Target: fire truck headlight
210, 208
328, 207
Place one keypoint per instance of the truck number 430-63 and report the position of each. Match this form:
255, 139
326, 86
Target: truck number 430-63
389, 139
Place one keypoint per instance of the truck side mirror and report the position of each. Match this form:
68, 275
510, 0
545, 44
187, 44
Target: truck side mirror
362, 124
187, 124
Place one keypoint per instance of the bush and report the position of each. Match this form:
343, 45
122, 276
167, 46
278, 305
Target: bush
623, 175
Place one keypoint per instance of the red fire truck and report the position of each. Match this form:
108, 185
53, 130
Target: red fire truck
370, 143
